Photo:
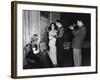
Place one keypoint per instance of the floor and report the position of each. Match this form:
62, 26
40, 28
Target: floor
68, 59
86, 57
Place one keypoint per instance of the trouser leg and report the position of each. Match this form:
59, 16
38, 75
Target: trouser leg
77, 57
59, 57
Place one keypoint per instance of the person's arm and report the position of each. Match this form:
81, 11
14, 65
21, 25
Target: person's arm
75, 32
50, 36
61, 32
36, 51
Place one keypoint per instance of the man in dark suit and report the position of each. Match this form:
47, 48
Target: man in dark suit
77, 41
59, 43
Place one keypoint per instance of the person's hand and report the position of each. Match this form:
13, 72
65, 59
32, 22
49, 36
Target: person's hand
71, 27
50, 37
35, 51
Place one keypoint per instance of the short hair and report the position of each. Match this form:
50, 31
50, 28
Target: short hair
58, 21
34, 35
80, 19
54, 26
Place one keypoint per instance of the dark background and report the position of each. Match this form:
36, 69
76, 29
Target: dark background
68, 19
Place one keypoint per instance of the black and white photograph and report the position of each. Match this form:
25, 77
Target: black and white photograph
54, 39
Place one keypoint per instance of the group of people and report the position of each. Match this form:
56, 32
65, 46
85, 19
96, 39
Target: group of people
56, 42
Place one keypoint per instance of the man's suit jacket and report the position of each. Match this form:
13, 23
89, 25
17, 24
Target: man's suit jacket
79, 36
60, 33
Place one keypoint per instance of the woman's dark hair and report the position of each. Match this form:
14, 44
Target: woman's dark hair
54, 26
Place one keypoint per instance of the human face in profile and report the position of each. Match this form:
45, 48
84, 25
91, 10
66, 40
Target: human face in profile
57, 24
52, 27
79, 23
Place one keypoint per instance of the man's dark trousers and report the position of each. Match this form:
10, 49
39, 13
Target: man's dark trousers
60, 51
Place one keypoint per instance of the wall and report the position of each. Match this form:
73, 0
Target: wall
30, 25
5, 41
45, 19
54, 16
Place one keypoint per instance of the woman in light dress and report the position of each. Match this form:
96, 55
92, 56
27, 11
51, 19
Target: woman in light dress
52, 43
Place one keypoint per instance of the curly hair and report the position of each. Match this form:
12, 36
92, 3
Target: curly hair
54, 26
